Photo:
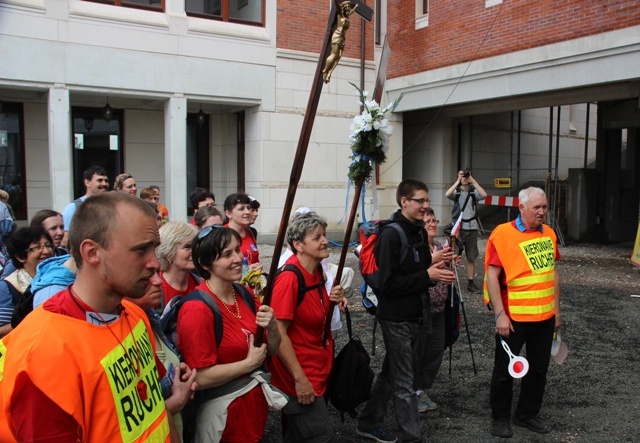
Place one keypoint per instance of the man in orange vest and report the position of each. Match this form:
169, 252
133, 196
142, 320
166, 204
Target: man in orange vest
82, 367
523, 287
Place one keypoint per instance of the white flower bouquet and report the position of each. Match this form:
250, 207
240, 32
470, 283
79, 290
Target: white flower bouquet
370, 132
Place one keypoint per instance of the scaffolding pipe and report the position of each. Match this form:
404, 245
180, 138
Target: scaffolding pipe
556, 192
548, 181
519, 147
510, 161
586, 136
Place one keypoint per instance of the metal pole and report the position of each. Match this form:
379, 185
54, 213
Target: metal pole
586, 136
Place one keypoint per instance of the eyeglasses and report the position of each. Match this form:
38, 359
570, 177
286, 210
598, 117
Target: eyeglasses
420, 201
432, 222
39, 248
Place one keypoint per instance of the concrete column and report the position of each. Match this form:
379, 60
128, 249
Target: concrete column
175, 156
60, 149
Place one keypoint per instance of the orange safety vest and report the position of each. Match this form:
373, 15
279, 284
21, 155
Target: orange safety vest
528, 262
84, 370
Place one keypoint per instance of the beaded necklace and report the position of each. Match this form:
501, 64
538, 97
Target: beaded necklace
224, 304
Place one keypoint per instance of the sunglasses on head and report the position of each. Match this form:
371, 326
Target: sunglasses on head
207, 230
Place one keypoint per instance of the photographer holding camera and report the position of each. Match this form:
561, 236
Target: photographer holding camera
466, 192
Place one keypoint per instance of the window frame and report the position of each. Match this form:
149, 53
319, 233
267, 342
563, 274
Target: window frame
126, 4
224, 16
422, 14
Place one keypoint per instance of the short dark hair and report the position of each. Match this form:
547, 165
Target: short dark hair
19, 241
95, 219
41, 216
200, 194
208, 248
238, 198
204, 213
408, 187
429, 211
93, 170
254, 204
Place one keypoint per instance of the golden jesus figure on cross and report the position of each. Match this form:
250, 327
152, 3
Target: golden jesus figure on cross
338, 38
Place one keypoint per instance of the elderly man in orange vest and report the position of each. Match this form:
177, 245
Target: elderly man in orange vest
523, 286
82, 367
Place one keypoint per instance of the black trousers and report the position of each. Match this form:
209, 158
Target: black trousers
537, 337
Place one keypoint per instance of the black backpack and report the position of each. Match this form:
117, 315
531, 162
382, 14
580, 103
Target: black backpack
302, 289
23, 304
169, 319
351, 377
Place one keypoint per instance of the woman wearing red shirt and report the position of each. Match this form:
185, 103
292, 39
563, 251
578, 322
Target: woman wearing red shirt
217, 257
238, 210
176, 263
303, 363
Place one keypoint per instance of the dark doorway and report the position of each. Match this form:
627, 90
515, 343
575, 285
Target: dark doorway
197, 153
12, 171
96, 141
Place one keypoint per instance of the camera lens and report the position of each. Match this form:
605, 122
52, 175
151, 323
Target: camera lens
466, 174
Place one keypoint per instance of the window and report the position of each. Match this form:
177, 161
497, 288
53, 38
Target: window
378, 22
249, 12
12, 172
422, 14
154, 5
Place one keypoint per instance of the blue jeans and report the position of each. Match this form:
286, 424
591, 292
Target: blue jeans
395, 380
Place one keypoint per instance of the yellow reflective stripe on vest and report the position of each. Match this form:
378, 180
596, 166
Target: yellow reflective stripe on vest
532, 279
530, 295
160, 434
3, 352
532, 310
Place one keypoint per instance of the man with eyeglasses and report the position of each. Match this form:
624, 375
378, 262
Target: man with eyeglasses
466, 192
400, 311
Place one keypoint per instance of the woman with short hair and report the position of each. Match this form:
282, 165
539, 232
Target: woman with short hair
207, 216
238, 211
303, 364
125, 183
176, 262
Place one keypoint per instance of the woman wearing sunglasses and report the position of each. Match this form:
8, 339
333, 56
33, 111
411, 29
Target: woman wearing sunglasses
303, 364
235, 407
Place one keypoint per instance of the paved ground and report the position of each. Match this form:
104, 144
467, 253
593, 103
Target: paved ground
593, 397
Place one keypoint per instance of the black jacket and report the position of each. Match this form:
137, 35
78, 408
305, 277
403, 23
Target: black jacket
404, 283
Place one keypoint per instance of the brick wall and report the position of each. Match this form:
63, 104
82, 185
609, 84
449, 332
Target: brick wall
457, 28
302, 26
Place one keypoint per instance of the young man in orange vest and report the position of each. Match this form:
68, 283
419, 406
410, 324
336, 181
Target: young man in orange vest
523, 286
83, 367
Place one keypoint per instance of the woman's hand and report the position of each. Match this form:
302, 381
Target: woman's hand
445, 254
183, 388
265, 318
438, 273
304, 391
254, 266
255, 355
337, 296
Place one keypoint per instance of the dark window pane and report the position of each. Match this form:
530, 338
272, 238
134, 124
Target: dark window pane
12, 177
246, 10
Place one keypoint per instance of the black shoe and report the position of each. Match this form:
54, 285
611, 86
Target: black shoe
535, 424
501, 428
472, 288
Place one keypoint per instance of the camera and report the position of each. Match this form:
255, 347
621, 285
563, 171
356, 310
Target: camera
466, 174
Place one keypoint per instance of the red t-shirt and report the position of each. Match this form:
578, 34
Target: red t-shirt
248, 247
247, 415
32, 409
170, 292
306, 330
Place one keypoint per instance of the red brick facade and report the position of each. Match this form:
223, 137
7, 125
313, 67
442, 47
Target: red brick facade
457, 28
302, 26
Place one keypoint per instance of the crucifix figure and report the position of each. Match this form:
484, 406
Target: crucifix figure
344, 10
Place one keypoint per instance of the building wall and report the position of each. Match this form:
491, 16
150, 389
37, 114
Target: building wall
464, 30
302, 26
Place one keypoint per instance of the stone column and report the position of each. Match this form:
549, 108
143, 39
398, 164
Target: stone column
60, 147
175, 156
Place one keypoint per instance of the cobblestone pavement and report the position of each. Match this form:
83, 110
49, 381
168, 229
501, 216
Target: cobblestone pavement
593, 397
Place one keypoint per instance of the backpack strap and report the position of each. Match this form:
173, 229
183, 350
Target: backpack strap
15, 294
403, 240
302, 289
206, 298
